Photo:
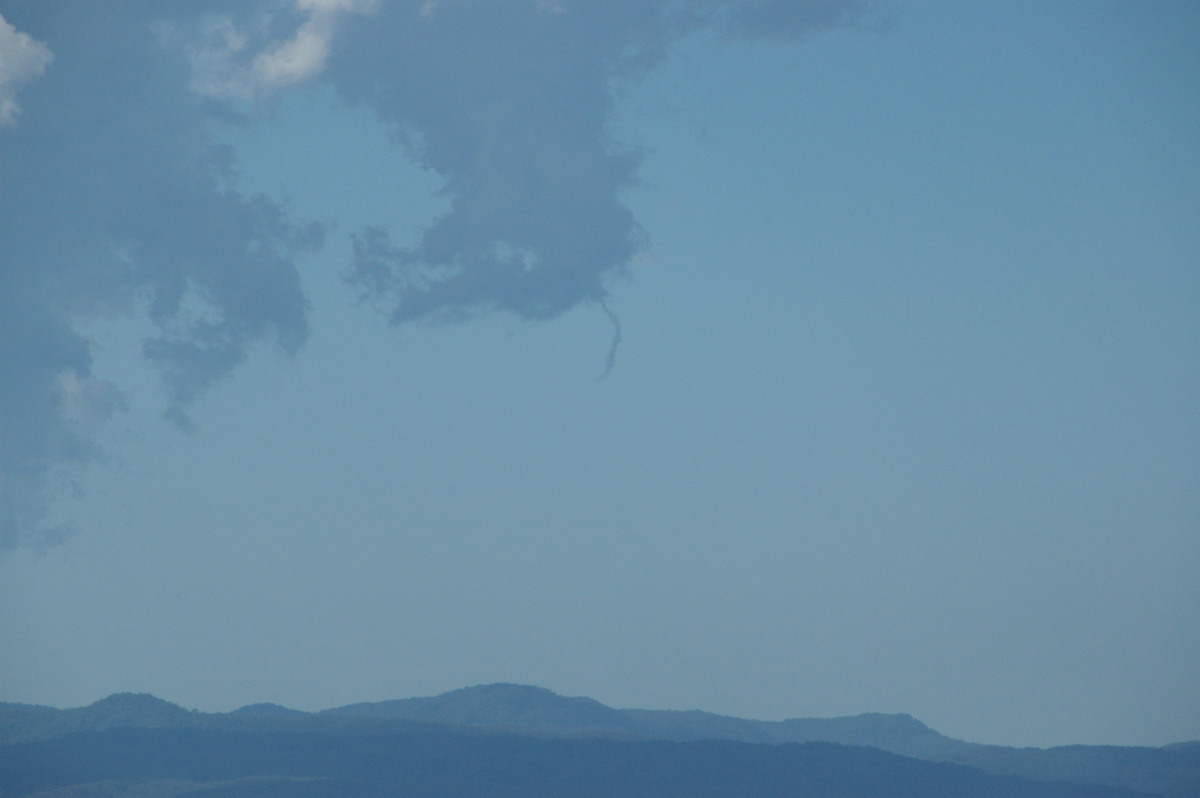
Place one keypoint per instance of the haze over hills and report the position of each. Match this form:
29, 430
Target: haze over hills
519, 712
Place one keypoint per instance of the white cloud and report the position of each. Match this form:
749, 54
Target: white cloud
214, 62
297, 59
224, 66
353, 6
21, 58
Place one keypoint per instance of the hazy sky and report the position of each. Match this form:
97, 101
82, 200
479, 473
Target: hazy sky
307, 309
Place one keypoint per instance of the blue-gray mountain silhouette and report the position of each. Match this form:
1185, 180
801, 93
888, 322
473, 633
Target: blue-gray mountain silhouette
478, 721
523, 706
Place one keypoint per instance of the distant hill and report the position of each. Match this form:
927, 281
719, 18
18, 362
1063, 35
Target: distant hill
449, 764
539, 709
274, 710
22, 722
502, 705
1171, 771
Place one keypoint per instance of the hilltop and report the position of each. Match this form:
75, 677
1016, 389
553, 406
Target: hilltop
530, 718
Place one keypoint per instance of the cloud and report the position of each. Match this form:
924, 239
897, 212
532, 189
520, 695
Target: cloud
512, 104
496, 99
21, 59
783, 19
243, 61
116, 202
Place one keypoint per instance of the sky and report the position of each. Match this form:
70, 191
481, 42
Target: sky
775, 358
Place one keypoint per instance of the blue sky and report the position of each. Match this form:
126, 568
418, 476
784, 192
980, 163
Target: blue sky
902, 417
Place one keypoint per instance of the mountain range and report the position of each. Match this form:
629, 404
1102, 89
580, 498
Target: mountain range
507, 739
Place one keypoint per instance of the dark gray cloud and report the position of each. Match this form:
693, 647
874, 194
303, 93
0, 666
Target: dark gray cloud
114, 199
